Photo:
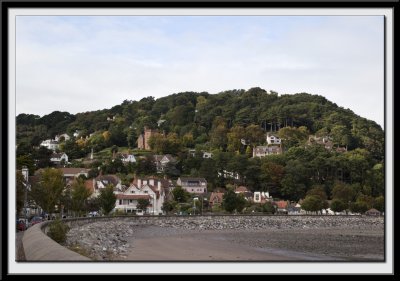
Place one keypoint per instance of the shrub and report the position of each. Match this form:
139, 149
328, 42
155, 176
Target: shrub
58, 231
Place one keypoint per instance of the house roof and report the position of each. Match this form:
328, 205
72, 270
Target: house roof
110, 179
193, 179
132, 196
216, 196
241, 189
74, 171
57, 155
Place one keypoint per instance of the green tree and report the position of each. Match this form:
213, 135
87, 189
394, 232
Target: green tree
232, 201
143, 203
268, 208
20, 196
379, 204
48, 191
79, 195
338, 205
180, 195
312, 203
343, 191
107, 199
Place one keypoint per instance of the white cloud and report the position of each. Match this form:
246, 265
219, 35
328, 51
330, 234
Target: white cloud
81, 67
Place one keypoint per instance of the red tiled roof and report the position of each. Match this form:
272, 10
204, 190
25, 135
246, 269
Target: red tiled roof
216, 196
241, 189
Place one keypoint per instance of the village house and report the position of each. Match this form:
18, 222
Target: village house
193, 185
50, 144
103, 181
62, 137
262, 151
56, 158
281, 206
161, 161
216, 199
271, 139
127, 158
151, 189
261, 197
70, 174
248, 195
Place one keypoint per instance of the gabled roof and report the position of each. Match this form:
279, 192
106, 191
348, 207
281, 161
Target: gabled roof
74, 171
216, 196
241, 189
109, 179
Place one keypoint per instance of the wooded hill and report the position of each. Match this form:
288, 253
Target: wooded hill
218, 123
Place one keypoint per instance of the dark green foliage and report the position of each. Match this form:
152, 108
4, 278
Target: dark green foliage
107, 199
143, 203
58, 231
233, 202
338, 205
220, 122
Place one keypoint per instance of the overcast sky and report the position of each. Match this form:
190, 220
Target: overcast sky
86, 63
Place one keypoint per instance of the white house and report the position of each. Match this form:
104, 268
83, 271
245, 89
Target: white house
261, 197
65, 136
56, 158
271, 139
127, 158
150, 189
50, 144
262, 151
162, 161
207, 154
193, 185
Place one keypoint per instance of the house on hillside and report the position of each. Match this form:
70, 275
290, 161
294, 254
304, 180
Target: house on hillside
161, 161
193, 185
127, 158
261, 197
272, 139
62, 137
281, 207
56, 158
151, 189
70, 174
103, 181
50, 144
262, 151
216, 199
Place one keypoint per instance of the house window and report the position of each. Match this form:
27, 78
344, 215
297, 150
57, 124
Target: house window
146, 191
257, 197
132, 191
130, 201
192, 189
120, 201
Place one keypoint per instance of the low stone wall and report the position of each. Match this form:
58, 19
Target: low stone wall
39, 247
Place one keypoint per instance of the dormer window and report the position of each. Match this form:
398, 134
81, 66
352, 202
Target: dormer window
146, 191
132, 191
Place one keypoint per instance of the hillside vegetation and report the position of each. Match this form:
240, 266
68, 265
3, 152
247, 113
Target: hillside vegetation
229, 124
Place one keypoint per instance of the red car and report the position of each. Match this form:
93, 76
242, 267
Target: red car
35, 220
21, 225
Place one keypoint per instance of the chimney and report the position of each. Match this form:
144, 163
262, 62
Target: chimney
139, 183
25, 173
159, 185
151, 182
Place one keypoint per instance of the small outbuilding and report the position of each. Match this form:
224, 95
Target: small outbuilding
373, 212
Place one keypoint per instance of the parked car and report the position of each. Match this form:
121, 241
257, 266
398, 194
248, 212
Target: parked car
35, 220
21, 225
